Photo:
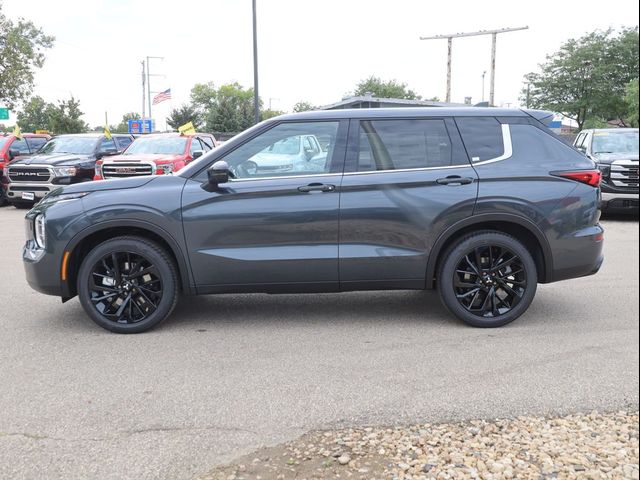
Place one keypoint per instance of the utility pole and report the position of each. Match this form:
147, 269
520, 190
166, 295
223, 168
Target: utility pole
256, 96
143, 90
450, 37
149, 75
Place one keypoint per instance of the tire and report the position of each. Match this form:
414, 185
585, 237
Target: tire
23, 205
499, 291
145, 281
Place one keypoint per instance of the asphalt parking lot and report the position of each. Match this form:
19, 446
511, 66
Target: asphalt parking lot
230, 373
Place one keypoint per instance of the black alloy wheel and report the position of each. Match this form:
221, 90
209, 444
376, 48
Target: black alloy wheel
487, 279
125, 287
128, 284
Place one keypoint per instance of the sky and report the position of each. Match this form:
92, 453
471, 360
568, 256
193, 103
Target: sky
308, 50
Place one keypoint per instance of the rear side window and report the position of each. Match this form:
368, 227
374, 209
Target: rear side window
20, 145
403, 144
535, 146
482, 136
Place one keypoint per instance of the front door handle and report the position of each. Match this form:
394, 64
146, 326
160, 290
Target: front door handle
317, 187
455, 180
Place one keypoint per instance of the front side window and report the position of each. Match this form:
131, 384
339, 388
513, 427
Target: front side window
285, 150
36, 143
20, 146
403, 144
195, 146
123, 142
107, 146
482, 136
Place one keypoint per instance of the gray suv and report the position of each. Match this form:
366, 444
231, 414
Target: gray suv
482, 204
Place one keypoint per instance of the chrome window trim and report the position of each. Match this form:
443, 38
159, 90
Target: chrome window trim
235, 180
421, 169
508, 148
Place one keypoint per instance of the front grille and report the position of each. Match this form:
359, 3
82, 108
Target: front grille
122, 170
29, 189
29, 174
624, 173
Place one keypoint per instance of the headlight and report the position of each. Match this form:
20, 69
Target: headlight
40, 232
64, 171
62, 198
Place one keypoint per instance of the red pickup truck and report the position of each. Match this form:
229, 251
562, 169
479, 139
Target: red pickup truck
156, 154
11, 147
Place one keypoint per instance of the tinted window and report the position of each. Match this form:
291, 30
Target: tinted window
402, 144
534, 145
36, 143
482, 136
279, 152
77, 145
108, 145
123, 142
20, 146
195, 146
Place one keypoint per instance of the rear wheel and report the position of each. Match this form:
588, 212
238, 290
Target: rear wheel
487, 279
128, 285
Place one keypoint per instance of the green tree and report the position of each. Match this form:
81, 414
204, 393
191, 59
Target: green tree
22, 47
33, 115
303, 107
182, 115
123, 126
4, 128
587, 77
228, 108
267, 114
65, 117
631, 99
384, 89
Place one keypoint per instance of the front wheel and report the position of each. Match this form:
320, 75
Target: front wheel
128, 284
487, 279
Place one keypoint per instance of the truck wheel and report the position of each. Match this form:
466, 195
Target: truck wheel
487, 279
128, 284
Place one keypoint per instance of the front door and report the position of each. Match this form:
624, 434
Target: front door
274, 226
406, 181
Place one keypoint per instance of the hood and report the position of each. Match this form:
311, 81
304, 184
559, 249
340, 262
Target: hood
612, 157
148, 157
102, 185
55, 159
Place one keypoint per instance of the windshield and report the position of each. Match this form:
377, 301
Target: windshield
76, 145
157, 145
288, 146
3, 141
615, 142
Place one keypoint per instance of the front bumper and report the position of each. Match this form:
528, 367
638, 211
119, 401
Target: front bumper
42, 269
15, 190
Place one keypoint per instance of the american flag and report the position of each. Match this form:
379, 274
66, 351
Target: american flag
162, 96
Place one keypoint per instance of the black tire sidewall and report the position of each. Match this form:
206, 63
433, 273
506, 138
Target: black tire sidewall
454, 256
151, 252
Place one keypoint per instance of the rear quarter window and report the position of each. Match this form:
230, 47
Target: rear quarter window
531, 144
482, 137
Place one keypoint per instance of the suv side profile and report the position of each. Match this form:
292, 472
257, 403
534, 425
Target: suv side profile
615, 150
63, 160
482, 204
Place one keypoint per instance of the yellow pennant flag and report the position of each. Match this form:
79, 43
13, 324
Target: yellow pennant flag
187, 129
17, 132
107, 132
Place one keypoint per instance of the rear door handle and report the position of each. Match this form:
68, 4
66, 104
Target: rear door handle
317, 187
455, 180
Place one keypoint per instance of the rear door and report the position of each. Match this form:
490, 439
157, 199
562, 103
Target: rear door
406, 181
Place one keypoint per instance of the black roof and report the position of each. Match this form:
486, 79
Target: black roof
415, 112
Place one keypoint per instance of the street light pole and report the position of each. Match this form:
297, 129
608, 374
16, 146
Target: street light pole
256, 95
149, 82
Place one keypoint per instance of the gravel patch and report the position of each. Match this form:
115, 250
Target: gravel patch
585, 446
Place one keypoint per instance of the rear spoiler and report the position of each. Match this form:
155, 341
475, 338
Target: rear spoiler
543, 116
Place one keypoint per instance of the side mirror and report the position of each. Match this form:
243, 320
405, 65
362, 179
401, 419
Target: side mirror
218, 173
197, 154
